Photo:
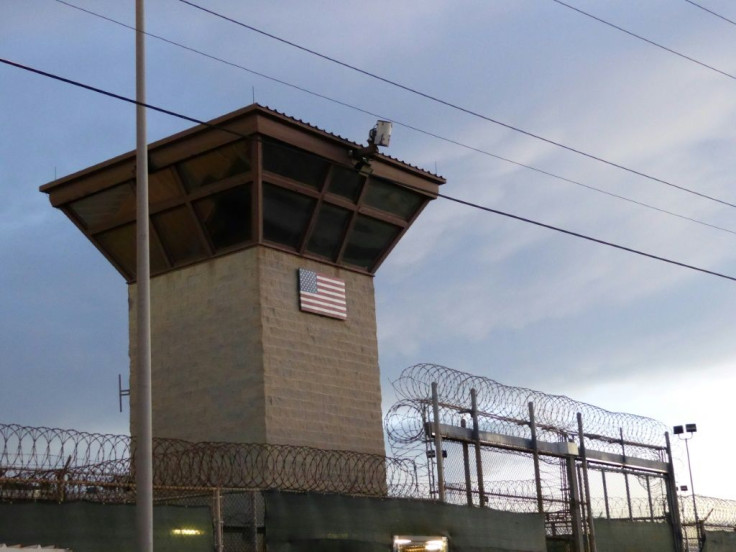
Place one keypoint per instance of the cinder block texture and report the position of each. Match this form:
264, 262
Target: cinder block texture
234, 359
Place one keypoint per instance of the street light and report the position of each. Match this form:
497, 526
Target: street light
680, 432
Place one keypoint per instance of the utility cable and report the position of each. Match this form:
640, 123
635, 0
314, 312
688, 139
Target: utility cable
458, 107
443, 196
630, 33
399, 123
711, 12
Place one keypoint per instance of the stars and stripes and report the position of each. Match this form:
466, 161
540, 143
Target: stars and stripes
322, 295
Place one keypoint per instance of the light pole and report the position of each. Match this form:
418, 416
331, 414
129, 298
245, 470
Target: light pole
680, 432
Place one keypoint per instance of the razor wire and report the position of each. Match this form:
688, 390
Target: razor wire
100, 466
505, 409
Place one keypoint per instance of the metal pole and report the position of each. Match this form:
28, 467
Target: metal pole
605, 494
672, 497
586, 483
466, 465
649, 497
476, 436
535, 455
698, 532
218, 520
255, 501
575, 512
144, 447
438, 444
626, 475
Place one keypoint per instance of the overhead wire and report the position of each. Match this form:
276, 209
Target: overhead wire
443, 196
457, 107
644, 39
731, 21
399, 123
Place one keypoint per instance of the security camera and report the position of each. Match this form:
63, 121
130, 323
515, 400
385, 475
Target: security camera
380, 135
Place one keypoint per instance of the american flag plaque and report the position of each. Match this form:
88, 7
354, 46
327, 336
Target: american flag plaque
321, 294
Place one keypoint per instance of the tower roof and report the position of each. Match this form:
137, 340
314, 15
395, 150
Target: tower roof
252, 177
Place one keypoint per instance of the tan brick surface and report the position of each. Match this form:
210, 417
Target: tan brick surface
234, 359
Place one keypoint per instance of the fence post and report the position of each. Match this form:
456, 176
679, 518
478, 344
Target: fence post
575, 512
217, 499
438, 444
254, 519
476, 437
535, 453
586, 483
605, 493
466, 465
626, 474
672, 497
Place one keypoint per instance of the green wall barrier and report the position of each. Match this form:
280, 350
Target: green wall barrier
93, 527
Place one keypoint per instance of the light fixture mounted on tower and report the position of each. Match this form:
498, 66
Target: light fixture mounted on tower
379, 135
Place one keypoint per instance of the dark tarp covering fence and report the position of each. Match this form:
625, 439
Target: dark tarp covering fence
616, 535
92, 527
331, 523
720, 541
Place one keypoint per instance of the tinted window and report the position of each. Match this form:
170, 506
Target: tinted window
285, 215
215, 165
294, 163
227, 217
368, 240
327, 234
392, 198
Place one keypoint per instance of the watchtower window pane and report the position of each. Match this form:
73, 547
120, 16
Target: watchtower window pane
179, 235
286, 160
368, 240
346, 182
285, 215
120, 244
227, 216
162, 185
392, 198
215, 165
328, 233
117, 203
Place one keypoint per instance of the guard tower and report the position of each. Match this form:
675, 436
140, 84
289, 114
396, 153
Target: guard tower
265, 236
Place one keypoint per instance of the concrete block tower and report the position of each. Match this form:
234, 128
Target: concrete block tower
264, 241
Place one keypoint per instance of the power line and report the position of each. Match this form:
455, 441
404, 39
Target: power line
585, 237
711, 12
444, 196
117, 96
458, 107
630, 33
399, 123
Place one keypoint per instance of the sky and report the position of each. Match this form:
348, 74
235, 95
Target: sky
467, 289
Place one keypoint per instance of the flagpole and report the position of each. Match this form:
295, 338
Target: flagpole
143, 438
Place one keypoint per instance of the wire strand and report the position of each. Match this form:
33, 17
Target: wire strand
458, 107
711, 12
630, 33
443, 196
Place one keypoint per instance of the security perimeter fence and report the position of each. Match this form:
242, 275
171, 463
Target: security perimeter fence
518, 470
56, 466
604, 481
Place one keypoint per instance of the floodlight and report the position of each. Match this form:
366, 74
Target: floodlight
380, 135
691, 428
678, 430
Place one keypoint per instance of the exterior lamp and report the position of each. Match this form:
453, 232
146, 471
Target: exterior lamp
379, 135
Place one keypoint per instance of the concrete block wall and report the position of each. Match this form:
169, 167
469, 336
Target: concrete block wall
234, 359
321, 374
206, 352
